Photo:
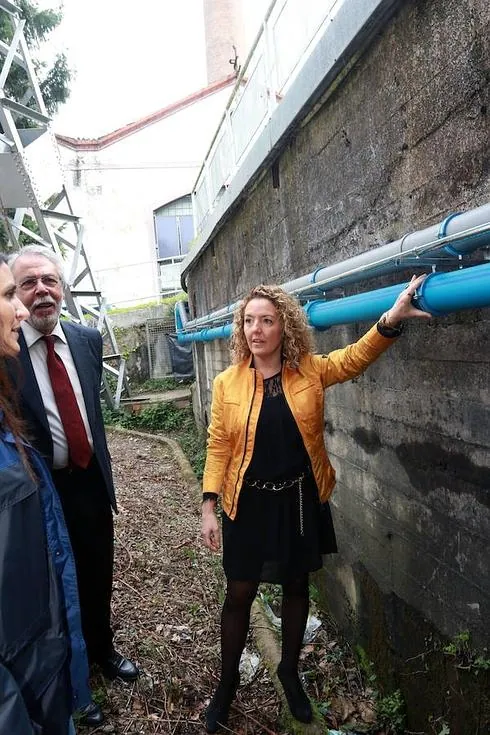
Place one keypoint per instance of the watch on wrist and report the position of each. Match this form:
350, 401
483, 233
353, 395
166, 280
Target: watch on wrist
387, 331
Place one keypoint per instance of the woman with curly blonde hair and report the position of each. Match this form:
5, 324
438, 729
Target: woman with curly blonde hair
297, 339
266, 461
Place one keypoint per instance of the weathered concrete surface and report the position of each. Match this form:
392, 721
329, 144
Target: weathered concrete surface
180, 397
402, 143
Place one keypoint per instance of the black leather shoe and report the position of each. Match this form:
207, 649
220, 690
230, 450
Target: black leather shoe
117, 666
219, 707
91, 715
298, 702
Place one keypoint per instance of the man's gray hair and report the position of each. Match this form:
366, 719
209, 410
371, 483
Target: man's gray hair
45, 252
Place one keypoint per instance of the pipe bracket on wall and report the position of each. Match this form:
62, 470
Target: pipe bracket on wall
443, 232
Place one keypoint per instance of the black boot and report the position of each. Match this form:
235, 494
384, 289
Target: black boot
298, 702
219, 707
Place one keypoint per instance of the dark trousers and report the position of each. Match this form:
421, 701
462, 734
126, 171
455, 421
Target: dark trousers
88, 516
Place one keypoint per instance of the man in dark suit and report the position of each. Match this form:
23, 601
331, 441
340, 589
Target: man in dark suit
60, 400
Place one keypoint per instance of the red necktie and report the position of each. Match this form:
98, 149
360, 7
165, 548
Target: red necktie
79, 449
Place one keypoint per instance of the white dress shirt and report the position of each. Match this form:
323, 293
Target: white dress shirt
38, 352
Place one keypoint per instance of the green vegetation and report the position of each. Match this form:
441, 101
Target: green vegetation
54, 78
53, 81
170, 301
166, 418
163, 384
135, 307
465, 656
24, 239
391, 711
366, 666
314, 593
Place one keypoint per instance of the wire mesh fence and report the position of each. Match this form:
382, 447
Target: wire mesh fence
166, 357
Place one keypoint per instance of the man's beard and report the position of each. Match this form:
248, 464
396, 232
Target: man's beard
44, 324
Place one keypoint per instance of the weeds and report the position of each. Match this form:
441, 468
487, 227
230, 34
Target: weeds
465, 656
391, 711
169, 419
163, 384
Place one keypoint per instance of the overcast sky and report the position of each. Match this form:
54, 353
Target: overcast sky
131, 59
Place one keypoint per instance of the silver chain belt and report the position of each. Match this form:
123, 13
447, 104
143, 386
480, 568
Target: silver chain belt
277, 487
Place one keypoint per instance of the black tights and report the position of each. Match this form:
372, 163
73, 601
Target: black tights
235, 621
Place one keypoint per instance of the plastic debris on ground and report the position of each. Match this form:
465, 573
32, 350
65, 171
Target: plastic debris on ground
276, 622
312, 624
249, 665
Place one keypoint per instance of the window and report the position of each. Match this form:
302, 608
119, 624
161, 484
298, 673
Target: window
174, 228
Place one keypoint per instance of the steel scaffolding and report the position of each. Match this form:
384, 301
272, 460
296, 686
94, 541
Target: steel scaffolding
32, 186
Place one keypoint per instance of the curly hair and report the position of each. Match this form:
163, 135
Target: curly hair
297, 337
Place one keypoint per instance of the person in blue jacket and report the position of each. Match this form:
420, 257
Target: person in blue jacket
43, 661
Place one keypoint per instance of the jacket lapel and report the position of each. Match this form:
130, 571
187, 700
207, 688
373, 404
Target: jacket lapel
29, 389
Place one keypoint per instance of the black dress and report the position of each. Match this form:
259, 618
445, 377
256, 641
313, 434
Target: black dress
277, 536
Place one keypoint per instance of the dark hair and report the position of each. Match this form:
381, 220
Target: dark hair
8, 397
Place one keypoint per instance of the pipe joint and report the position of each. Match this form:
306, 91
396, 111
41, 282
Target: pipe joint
307, 309
421, 302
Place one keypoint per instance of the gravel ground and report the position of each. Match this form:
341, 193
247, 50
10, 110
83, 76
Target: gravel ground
168, 592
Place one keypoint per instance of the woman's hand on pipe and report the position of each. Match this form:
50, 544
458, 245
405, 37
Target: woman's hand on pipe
403, 308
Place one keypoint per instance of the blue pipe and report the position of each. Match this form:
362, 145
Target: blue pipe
439, 294
179, 325
468, 288
364, 306
206, 335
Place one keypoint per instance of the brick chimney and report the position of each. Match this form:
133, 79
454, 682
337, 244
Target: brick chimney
225, 43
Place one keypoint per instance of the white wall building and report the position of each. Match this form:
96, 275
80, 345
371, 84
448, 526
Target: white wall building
132, 186
123, 183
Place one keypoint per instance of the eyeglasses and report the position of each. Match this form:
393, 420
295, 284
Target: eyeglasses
30, 283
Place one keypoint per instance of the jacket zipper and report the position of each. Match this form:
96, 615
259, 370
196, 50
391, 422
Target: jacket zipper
245, 444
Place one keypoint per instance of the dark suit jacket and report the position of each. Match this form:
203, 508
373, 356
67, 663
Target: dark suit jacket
86, 348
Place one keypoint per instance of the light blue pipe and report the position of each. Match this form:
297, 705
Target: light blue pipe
206, 335
469, 288
364, 306
179, 321
440, 293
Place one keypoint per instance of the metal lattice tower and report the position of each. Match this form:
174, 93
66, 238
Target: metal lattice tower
32, 186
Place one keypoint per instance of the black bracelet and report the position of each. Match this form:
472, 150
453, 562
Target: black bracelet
390, 332
210, 496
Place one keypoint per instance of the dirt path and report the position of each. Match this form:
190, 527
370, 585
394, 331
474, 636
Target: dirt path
167, 595
168, 592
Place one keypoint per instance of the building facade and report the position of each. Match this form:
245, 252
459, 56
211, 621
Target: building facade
121, 183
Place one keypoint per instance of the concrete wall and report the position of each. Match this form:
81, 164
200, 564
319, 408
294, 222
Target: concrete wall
402, 143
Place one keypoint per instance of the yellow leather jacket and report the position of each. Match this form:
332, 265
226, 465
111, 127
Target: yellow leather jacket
237, 398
